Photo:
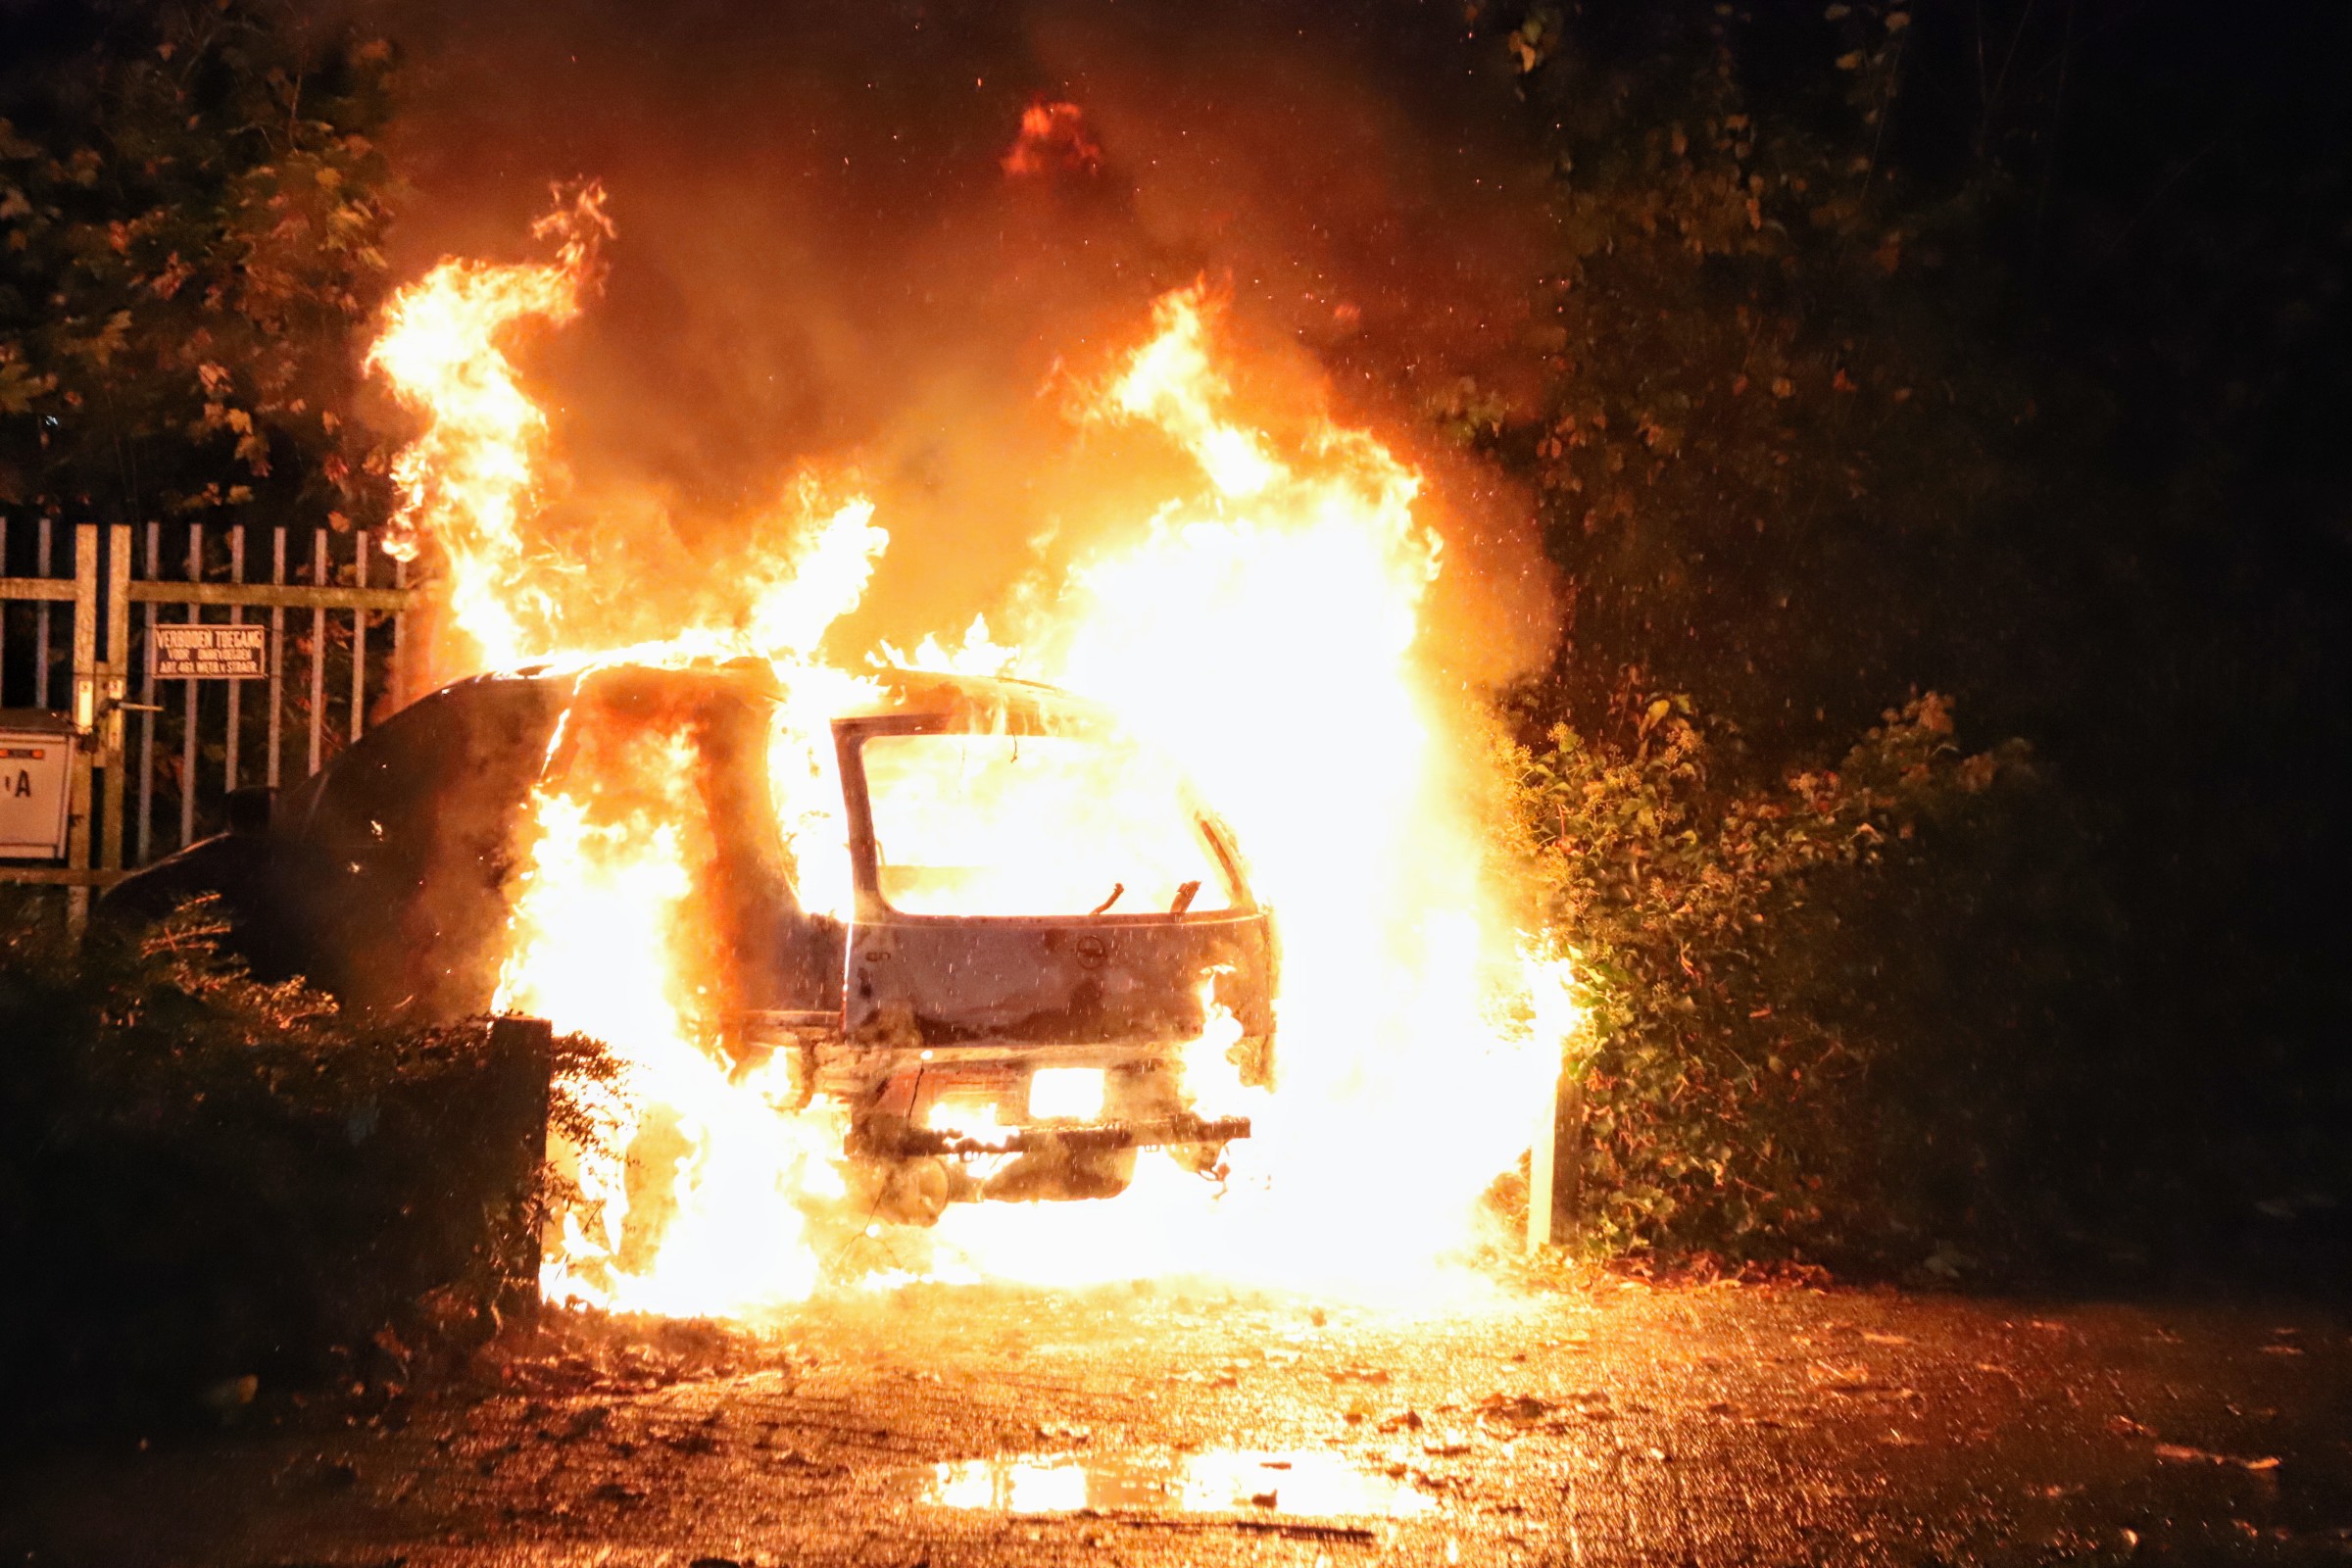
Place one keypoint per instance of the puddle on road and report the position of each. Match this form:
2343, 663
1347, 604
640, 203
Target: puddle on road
1309, 1485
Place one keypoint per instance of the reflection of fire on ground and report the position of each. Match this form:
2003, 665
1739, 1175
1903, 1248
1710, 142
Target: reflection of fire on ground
1264, 627
1621, 1425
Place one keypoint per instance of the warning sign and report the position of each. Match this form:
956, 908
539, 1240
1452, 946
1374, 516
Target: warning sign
209, 653
33, 791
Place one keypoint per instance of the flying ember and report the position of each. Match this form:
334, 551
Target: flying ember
1204, 931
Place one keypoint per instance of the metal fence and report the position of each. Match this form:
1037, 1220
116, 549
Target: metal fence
155, 759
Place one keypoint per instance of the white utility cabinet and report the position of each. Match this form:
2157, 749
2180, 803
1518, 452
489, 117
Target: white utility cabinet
35, 783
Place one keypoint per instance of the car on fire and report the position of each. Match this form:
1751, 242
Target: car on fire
1039, 918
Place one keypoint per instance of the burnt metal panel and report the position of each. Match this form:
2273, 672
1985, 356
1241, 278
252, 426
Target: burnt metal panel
947, 980
910, 1143
953, 981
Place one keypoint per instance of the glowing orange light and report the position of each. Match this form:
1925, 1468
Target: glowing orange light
1054, 136
1267, 629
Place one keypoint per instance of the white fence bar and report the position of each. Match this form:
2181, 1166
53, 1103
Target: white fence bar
278, 652
189, 725
236, 688
115, 567
147, 704
359, 643
319, 579
115, 681
40, 641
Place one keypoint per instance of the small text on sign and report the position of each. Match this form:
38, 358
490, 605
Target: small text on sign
209, 653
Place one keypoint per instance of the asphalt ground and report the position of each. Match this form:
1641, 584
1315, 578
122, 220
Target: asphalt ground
1597, 1422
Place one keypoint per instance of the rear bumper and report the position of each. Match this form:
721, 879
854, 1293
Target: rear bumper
918, 1143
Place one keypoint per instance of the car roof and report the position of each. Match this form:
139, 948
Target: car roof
895, 692
935, 694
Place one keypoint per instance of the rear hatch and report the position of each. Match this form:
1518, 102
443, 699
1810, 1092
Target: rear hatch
1035, 891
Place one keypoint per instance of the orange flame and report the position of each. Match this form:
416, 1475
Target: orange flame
1054, 136
466, 482
1267, 629
604, 942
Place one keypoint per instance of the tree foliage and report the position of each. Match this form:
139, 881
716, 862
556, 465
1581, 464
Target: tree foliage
1721, 1076
192, 200
1880, 355
1762, 401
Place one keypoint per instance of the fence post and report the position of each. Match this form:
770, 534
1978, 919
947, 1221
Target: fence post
1555, 1161
400, 654
192, 713
147, 702
115, 689
359, 641
1542, 1168
232, 743
46, 562
319, 579
85, 720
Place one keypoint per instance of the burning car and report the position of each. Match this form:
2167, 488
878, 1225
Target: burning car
975, 915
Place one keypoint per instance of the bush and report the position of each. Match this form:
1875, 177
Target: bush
1727, 1079
210, 1184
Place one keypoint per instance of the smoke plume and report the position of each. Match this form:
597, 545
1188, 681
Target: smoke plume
897, 238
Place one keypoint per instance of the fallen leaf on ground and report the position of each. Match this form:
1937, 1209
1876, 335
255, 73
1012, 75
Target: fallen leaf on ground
1521, 1408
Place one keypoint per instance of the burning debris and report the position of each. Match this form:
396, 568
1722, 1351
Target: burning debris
991, 938
1053, 138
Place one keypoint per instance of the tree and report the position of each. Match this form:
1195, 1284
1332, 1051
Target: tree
1883, 355
1765, 412
191, 200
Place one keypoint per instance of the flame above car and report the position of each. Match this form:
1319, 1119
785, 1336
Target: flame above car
1264, 625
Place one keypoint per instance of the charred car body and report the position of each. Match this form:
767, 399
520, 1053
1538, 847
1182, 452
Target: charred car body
1038, 917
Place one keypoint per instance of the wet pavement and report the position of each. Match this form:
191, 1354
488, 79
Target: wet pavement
1601, 1424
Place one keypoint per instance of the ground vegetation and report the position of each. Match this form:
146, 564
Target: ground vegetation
215, 1190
